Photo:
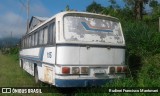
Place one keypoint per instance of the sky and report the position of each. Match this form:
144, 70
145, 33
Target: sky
13, 16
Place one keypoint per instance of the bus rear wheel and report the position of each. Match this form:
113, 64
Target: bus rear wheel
36, 75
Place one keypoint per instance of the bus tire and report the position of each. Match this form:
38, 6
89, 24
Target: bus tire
21, 63
36, 75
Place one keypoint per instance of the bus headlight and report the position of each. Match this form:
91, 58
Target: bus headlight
84, 70
75, 70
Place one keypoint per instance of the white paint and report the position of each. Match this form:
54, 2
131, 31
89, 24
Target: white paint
51, 55
40, 71
30, 52
101, 56
68, 55
92, 22
71, 55
28, 66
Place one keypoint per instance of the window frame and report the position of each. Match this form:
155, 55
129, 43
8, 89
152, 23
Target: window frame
51, 36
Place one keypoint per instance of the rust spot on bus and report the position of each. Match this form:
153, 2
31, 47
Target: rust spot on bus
48, 75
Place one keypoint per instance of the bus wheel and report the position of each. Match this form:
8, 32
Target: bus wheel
21, 63
36, 75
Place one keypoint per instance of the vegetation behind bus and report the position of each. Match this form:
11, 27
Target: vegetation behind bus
142, 49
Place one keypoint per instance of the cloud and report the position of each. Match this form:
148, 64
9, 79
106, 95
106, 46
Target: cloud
38, 9
13, 18
12, 22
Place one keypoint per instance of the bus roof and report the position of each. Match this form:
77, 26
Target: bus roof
67, 12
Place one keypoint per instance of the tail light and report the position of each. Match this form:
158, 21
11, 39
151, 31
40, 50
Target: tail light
112, 70
124, 69
66, 70
119, 69
84, 70
75, 70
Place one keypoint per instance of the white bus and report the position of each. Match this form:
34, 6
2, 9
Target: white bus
74, 49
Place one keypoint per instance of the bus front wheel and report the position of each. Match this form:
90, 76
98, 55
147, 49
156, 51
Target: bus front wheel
21, 63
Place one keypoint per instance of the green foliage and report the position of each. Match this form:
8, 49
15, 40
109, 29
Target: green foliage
142, 49
150, 69
67, 8
94, 8
155, 10
141, 38
153, 3
137, 6
114, 4
14, 50
10, 50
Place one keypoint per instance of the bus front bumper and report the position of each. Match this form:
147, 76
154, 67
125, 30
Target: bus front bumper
81, 82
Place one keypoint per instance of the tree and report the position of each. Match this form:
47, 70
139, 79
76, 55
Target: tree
67, 8
155, 6
129, 3
155, 9
113, 5
94, 8
137, 6
153, 3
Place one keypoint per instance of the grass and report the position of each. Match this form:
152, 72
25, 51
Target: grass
11, 72
11, 75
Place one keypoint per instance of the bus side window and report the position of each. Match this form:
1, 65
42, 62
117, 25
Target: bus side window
54, 34
27, 41
30, 43
35, 39
38, 32
50, 30
32, 40
40, 37
23, 43
45, 30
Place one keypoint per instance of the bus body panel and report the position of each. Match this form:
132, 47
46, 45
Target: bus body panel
76, 55
49, 55
28, 66
101, 56
44, 58
32, 52
68, 55
81, 82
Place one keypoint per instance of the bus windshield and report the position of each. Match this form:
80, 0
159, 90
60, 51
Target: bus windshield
87, 29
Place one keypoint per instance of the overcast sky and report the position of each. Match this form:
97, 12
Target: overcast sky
13, 12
